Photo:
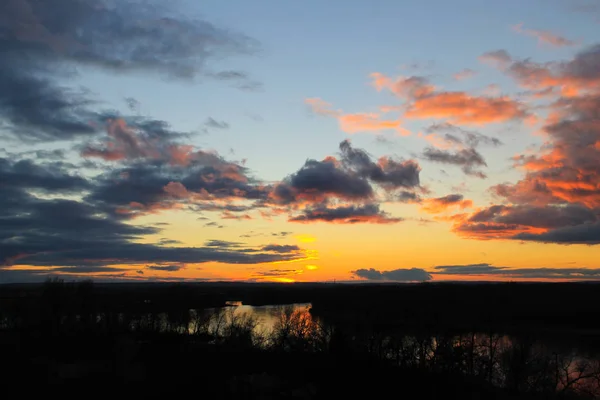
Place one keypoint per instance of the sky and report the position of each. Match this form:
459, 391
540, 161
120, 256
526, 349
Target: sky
352, 141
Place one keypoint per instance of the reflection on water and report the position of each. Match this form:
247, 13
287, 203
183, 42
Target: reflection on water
265, 316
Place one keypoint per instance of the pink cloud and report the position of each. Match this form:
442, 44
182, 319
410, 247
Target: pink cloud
464, 74
544, 37
358, 122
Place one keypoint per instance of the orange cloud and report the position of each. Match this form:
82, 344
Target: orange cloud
446, 203
407, 87
424, 101
321, 107
564, 79
369, 122
544, 37
240, 217
358, 122
462, 108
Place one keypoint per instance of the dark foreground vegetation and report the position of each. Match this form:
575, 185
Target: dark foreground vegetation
480, 341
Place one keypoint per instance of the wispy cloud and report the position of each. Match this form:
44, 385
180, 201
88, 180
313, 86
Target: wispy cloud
425, 101
397, 275
544, 37
464, 74
357, 122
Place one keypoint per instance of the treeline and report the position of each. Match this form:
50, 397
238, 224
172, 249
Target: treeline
161, 336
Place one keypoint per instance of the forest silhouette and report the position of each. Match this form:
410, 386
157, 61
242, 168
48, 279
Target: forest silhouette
498, 340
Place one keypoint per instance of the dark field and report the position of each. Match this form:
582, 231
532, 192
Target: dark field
375, 341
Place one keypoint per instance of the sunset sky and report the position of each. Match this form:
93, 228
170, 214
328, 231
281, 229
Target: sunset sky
300, 141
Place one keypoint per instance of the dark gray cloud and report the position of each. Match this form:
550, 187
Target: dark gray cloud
319, 179
47, 176
54, 231
407, 197
41, 48
353, 214
222, 243
468, 159
168, 242
230, 75
281, 248
133, 253
213, 225
166, 268
88, 269
281, 234
587, 233
462, 137
133, 104
277, 272
526, 273
565, 223
449, 199
387, 172
469, 269
136, 138
155, 185
397, 275
344, 191
213, 123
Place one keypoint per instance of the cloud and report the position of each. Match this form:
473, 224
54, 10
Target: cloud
140, 140
123, 38
368, 122
456, 137
425, 101
462, 108
468, 159
47, 177
281, 234
558, 198
213, 123
321, 107
398, 275
407, 197
456, 146
317, 180
353, 214
39, 230
281, 248
199, 179
230, 75
165, 268
579, 75
134, 254
221, 243
357, 122
496, 57
464, 74
442, 204
345, 190
277, 272
387, 172
487, 270
213, 224
586, 233
405, 87
566, 223
544, 37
